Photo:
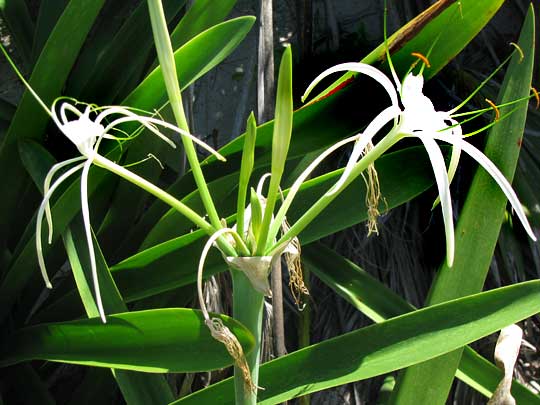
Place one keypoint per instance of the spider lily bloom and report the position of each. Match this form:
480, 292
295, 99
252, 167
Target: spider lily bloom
86, 133
418, 118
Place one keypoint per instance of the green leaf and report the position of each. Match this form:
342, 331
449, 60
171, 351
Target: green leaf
111, 72
384, 347
281, 139
379, 303
476, 235
49, 13
202, 15
191, 63
47, 79
136, 388
159, 340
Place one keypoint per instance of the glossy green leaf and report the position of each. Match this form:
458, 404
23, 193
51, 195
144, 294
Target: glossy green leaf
379, 303
160, 340
49, 13
385, 347
476, 235
202, 15
136, 388
218, 42
120, 59
47, 79
281, 139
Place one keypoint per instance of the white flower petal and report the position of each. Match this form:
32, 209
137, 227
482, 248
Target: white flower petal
39, 220
441, 178
46, 185
490, 167
200, 268
88, 232
362, 68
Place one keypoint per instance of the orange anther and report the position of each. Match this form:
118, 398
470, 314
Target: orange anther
492, 104
422, 58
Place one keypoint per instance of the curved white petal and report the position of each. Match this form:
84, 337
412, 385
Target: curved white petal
364, 139
260, 184
457, 133
66, 106
200, 267
88, 232
47, 183
494, 172
441, 177
362, 68
149, 123
39, 220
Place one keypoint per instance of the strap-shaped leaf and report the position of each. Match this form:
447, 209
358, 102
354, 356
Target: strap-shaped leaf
110, 72
384, 347
202, 15
160, 340
379, 303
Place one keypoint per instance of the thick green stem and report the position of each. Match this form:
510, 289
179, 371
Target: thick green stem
248, 309
168, 68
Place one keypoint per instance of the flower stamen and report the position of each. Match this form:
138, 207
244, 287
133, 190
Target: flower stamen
424, 59
495, 108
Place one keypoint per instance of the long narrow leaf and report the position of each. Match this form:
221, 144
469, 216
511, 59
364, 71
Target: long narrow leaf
384, 347
160, 340
379, 303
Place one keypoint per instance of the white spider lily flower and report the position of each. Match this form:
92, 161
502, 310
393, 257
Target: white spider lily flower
419, 118
86, 134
